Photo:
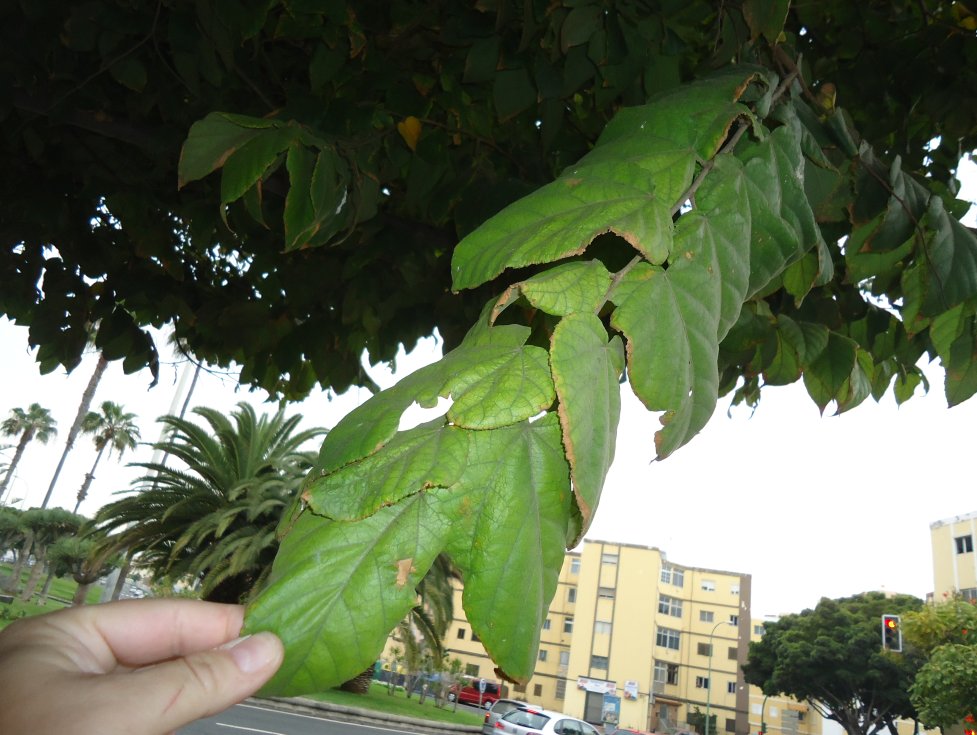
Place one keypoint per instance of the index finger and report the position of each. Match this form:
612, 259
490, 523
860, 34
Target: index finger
140, 632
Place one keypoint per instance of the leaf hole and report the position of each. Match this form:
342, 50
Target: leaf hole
415, 415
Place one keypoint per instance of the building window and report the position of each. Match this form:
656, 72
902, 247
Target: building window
708, 585
734, 619
564, 658
706, 616
702, 682
757, 630
666, 673
603, 627
734, 589
461, 633
731, 687
546, 624
730, 724
607, 558
575, 565
537, 690
704, 649
572, 594
969, 594
672, 575
568, 624
561, 688
669, 606
471, 669
965, 544
731, 655
598, 662
606, 593
667, 638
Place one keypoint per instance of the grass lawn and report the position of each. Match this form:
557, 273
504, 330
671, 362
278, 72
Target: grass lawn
62, 589
398, 704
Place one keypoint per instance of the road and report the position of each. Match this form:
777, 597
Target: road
248, 719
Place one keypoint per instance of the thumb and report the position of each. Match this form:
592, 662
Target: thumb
201, 684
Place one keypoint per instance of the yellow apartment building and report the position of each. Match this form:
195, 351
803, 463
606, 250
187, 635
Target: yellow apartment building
954, 560
668, 640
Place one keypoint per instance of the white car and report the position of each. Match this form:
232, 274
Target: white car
532, 721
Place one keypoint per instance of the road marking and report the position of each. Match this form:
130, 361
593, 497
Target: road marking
251, 729
324, 719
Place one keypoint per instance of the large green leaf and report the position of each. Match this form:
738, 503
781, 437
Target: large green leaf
337, 588
586, 371
562, 290
674, 318
503, 520
212, 141
493, 376
783, 226
510, 534
627, 185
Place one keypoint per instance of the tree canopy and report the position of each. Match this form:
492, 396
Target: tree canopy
699, 200
429, 116
832, 657
944, 690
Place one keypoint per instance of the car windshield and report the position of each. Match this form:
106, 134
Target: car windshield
533, 720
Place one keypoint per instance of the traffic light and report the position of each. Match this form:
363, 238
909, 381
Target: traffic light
891, 633
763, 729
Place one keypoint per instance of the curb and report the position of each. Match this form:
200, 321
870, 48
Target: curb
357, 715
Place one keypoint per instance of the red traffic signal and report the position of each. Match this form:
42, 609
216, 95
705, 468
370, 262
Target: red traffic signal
891, 633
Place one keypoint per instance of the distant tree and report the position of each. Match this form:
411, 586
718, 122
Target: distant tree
11, 538
111, 428
832, 658
84, 560
44, 526
944, 691
211, 515
34, 423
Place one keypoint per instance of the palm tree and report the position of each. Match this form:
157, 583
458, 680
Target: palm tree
34, 423
86, 402
112, 429
213, 518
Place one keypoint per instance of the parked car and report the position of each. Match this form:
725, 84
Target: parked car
500, 708
532, 721
470, 694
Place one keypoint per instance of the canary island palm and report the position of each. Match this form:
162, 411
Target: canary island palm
212, 515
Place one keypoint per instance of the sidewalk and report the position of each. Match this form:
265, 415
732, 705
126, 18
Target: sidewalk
360, 716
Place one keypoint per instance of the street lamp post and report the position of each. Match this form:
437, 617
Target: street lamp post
709, 674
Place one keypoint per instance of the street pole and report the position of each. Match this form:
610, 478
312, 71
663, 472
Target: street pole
709, 675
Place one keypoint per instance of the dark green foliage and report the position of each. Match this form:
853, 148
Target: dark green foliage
832, 657
101, 96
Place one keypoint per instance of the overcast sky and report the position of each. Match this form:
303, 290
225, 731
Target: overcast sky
810, 506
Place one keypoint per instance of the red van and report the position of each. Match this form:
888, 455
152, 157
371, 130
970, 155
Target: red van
471, 691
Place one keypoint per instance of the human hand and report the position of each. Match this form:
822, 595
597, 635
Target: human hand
135, 666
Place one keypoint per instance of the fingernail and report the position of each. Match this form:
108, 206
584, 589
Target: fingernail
254, 652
